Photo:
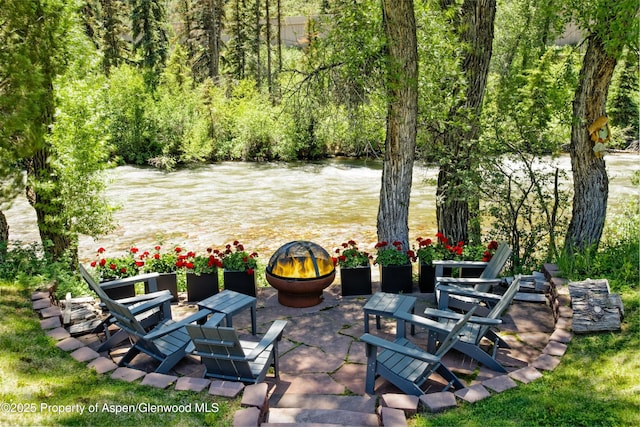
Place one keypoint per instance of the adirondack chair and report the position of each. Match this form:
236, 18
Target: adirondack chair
488, 277
148, 314
408, 366
228, 358
477, 327
166, 342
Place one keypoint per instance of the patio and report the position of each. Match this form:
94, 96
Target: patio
323, 364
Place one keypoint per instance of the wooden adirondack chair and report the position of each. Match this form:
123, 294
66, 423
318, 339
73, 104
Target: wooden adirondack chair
408, 366
488, 277
148, 314
477, 328
228, 358
166, 342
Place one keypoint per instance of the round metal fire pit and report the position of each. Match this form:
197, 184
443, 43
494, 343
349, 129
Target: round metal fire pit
300, 270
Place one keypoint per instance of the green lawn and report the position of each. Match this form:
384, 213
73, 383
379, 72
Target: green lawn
596, 384
38, 382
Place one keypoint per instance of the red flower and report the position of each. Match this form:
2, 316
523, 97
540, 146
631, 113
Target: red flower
189, 265
103, 262
112, 266
93, 264
101, 250
178, 249
133, 250
123, 270
351, 242
236, 243
342, 258
493, 245
139, 264
381, 244
250, 271
156, 256
157, 248
254, 255
335, 260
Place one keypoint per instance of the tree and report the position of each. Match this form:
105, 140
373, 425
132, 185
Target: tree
474, 24
402, 87
609, 27
207, 36
44, 49
149, 37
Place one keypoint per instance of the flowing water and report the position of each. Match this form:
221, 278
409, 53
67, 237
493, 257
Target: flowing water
265, 205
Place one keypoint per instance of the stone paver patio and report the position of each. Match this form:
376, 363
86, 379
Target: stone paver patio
320, 354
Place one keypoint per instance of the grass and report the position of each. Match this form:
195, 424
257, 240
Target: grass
37, 380
596, 384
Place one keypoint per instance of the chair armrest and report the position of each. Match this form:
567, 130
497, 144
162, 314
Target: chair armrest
433, 312
167, 328
129, 280
273, 334
422, 321
150, 304
467, 280
372, 340
468, 292
145, 297
452, 263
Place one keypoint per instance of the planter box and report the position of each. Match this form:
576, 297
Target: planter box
201, 286
120, 292
166, 281
427, 278
355, 280
396, 279
240, 281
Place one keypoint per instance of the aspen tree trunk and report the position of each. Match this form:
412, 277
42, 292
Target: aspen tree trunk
402, 91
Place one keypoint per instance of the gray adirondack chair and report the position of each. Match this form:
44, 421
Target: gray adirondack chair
148, 314
166, 342
477, 327
488, 277
408, 366
228, 358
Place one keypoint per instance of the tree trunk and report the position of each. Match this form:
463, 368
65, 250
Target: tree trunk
590, 180
4, 231
43, 195
279, 37
402, 77
475, 28
268, 37
257, 44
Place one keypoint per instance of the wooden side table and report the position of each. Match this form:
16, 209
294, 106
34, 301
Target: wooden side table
230, 303
385, 304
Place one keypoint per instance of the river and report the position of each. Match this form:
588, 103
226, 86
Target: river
265, 205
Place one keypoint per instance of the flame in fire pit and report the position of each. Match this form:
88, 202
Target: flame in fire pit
302, 268
300, 260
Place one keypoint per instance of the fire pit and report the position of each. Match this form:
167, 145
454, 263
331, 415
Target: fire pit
300, 271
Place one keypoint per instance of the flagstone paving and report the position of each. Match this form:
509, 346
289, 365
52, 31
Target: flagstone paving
321, 356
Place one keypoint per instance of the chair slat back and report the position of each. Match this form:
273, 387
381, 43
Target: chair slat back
499, 308
453, 336
220, 350
93, 285
125, 318
497, 262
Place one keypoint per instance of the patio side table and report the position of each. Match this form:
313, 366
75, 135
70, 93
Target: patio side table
385, 304
230, 303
